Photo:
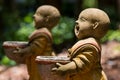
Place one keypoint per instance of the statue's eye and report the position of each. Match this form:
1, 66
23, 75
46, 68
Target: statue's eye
82, 19
37, 13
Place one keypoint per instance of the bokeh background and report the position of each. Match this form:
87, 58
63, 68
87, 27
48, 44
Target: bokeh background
16, 24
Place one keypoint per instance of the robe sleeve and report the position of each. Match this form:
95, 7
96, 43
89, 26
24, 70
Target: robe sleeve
37, 46
86, 57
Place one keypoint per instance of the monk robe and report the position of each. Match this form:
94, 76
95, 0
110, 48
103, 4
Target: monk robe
86, 54
40, 43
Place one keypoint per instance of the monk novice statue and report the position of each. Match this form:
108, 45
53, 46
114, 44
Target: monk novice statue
40, 41
85, 55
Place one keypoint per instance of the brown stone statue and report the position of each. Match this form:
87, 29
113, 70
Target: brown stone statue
40, 41
85, 55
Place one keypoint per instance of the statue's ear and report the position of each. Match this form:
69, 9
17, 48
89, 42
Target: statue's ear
95, 25
47, 18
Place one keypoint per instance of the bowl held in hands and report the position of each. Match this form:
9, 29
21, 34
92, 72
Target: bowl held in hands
10, 46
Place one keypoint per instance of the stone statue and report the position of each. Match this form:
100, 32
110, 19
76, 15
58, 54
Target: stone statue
85, 55
40, 41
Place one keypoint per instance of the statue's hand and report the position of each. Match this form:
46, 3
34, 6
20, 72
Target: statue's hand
18, 52
69, 68
23, 52
59, 69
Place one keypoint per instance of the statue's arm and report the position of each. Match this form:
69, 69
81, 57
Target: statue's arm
37, 45
86, 58
81, 63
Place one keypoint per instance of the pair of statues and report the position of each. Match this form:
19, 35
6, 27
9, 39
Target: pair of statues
85, 55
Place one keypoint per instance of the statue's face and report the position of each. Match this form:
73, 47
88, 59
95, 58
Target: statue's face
83, 26
38, 19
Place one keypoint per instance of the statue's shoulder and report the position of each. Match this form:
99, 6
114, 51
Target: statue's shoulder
41, 33
85, 44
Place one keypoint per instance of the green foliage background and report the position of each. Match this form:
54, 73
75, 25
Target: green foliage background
63, 31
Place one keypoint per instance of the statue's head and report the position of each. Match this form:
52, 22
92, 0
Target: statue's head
92, 22
46, 16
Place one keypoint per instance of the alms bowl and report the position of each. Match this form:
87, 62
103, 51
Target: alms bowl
10, 46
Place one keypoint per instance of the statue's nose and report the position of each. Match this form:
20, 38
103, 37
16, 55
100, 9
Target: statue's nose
76, 22
33, 16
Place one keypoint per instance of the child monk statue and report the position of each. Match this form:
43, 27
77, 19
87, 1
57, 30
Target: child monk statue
40, 41
85, 55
